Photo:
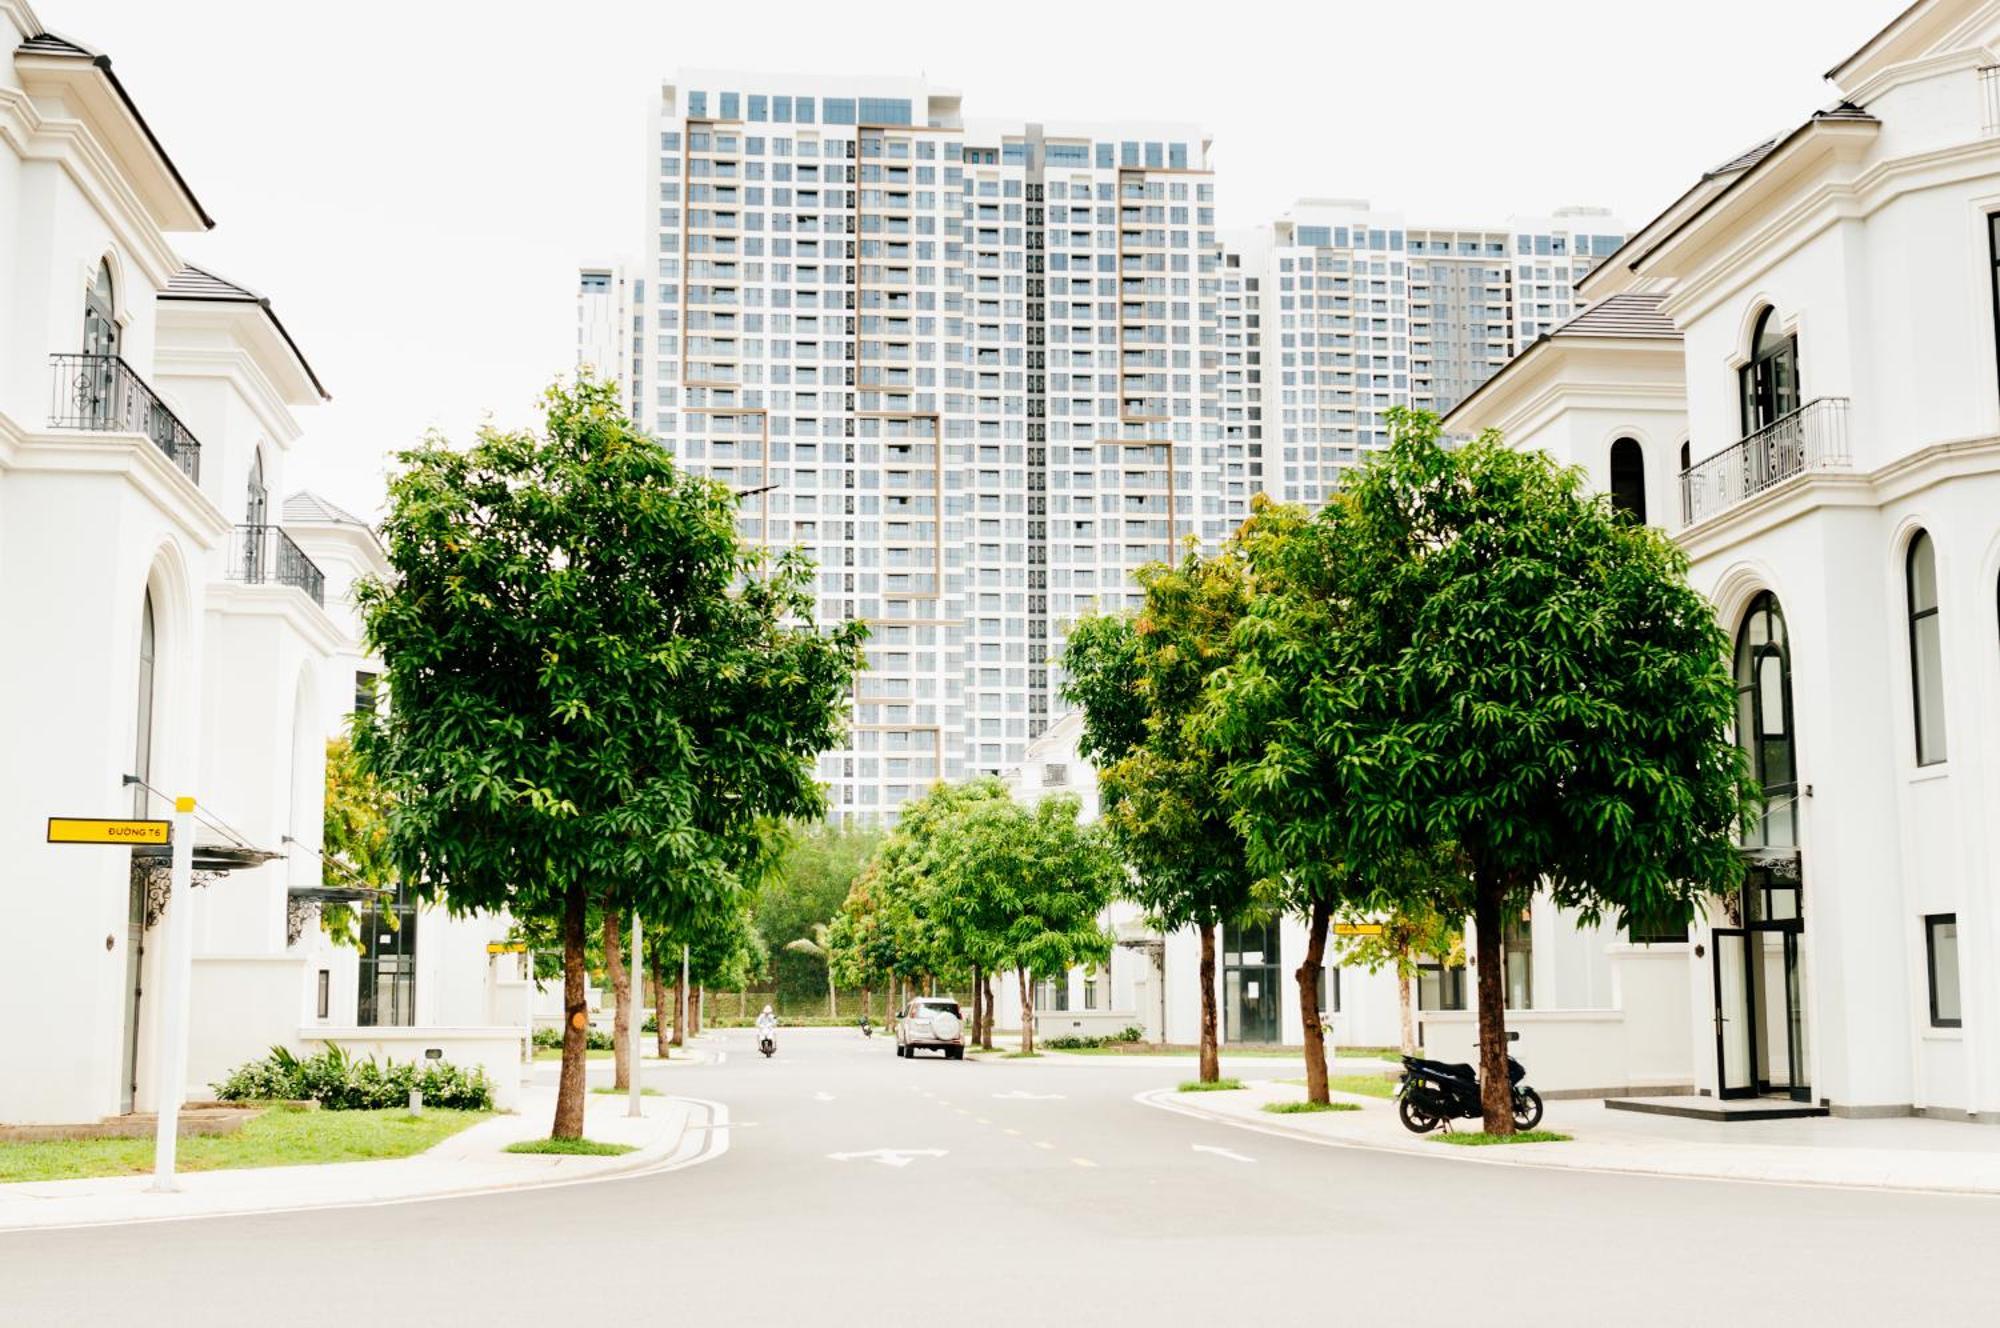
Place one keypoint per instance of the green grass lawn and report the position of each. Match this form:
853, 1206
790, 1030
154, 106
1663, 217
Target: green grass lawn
278, 1138
1301, 1108
1363, 1085
1219, 1086
1479, 1139
1394, 1055
625, 1092
569, 1147
555, 1054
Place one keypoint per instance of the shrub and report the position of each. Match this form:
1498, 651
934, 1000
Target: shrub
547, 1039
1122, 1037
338, 1082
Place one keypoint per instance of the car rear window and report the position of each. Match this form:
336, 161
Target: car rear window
932, 1007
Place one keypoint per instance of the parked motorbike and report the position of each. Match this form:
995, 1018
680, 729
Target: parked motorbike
767, 1044
867, 1027
1435, 1093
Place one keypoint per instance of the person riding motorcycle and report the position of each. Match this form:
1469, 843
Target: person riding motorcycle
767, 1024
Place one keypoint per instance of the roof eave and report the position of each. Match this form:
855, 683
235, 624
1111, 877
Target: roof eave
263, 303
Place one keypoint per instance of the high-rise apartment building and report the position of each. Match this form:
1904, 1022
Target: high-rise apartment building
984, 370
610, 330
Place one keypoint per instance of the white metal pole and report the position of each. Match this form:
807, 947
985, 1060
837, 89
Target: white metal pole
170, 1045
680, 1012
638, 1022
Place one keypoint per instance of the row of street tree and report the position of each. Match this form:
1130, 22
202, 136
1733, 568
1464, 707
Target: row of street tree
1463, 680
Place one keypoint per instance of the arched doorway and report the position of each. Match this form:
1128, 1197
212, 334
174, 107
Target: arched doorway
1628, 478
1759, 964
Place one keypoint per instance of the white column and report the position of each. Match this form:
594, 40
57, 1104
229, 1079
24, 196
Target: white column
636, 1026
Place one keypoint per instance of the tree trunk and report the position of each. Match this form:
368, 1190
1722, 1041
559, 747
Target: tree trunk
1405, 1005
621, 994
662, 1039
1027, 1014
700, 1004
1496, 1091
576, 1021
992, 994
680, 1004
978, 1001
1211, 1063
1311, 973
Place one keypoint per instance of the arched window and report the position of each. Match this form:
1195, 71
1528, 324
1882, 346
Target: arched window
1764, 719
1687, 457
1770, 381
257, 504
1926, 650
1628, 478
100, 319
142, 748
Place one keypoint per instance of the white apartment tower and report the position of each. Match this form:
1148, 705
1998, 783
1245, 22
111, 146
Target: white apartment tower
984, 370
610, 330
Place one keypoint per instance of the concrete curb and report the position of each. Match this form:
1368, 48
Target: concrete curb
692, 1145
1167, 1099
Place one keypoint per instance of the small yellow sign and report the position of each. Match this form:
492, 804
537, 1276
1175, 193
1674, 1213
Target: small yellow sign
1357, 929
90, 830
507, 947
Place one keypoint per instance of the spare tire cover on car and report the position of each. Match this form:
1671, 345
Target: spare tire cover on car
944, 1025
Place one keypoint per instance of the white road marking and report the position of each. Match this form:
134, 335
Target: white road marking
1018, 1096
1043, 1144
822, 1096
888, 1157
1221, 1152
1083, 1161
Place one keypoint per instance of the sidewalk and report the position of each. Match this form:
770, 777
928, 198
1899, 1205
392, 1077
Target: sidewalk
1900, 1154
674, 1132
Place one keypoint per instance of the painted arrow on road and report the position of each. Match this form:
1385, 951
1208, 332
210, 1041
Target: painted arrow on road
1222, 1152
888, 1157
822, 1096
1018, 1096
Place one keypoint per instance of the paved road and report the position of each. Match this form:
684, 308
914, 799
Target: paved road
1032, 1193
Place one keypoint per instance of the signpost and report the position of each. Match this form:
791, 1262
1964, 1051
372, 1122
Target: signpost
506, 947
170, 1046
94, 830
176, 977
1357, 929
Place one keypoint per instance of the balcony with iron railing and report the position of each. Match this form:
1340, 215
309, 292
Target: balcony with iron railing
265, 555
1813, 437
104, 394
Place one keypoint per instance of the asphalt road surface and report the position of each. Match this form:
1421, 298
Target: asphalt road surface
1034, 1192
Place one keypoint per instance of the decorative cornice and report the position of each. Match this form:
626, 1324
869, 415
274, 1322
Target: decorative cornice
140, 461
240, 367
1816, 490
1916, 71
69, 143
284, 603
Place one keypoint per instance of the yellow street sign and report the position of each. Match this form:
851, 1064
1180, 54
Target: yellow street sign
1357, 929
90, 830
507, 947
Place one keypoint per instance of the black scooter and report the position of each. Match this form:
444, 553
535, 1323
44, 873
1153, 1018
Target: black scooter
1436, 1093
767, 1044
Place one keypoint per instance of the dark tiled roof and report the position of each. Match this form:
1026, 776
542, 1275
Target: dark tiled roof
308, 506
1745, 159
196, 283
1625, 315
199, 284
48, 43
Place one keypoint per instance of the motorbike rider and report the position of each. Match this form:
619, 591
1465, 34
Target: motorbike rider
767, 1024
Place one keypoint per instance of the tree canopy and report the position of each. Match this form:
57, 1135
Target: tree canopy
595, 687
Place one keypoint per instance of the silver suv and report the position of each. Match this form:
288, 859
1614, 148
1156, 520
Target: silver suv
931, 1021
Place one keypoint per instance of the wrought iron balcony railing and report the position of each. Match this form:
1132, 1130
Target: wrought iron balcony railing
105, 394
266, 554
1813, 437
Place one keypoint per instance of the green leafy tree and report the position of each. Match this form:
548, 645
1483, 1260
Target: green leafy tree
354, 837
819, 945
1465, 647
1409, 933
809, 880
597, 691
1029, 886
1140, 682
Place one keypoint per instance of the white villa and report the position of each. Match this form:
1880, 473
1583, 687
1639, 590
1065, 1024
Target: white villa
173, 631
1794, 370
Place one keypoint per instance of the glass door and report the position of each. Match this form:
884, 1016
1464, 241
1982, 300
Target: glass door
1735, 1014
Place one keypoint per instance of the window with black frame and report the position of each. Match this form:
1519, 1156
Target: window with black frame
388, 996
1666, 925
1440, 986
1926, 650
1769, 383
1941, 959
1764, 720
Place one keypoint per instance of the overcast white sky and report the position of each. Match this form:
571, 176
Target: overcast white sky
414, 182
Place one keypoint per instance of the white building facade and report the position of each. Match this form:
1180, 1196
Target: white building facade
169, 636
1808, 348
